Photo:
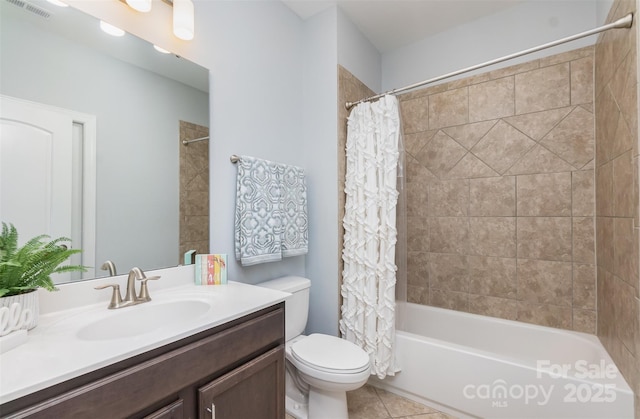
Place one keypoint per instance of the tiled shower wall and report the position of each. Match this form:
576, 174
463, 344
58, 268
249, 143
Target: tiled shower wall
616, 93
500, 193
194, 190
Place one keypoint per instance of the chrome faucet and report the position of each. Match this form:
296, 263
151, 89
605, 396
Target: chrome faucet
130, 297
109, 266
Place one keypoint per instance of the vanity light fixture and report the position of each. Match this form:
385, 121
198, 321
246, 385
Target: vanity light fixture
183, 19
58, 3
110, 29
162, 50
143, 6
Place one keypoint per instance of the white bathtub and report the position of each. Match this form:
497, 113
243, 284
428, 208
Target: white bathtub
477, 366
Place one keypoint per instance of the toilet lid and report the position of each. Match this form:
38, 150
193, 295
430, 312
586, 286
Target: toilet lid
330, 354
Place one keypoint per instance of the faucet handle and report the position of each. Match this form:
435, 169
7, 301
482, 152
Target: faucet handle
116, 299
144, 290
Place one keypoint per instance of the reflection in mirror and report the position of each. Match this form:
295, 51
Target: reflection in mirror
143, 103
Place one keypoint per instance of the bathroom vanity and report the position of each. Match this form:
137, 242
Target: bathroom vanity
227, 362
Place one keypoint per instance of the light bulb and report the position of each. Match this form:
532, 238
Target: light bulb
183, 19
140, 5
110, 29
58, 3
162, 50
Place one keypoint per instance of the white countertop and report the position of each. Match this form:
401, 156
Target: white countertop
55, 353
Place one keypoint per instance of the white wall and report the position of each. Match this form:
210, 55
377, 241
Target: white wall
273, 95
602, 10
522, 26
320, 56
357, 54
138, 115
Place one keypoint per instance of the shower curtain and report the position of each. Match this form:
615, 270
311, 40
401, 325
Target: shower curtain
369, 275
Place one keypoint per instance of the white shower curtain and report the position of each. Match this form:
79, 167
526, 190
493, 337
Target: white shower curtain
369, 276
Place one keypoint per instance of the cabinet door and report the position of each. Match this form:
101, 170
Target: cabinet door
253, 391
173, 411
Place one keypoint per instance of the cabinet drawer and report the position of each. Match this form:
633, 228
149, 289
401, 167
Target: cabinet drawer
129, 391
248, 392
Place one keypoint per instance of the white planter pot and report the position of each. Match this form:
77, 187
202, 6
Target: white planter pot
27, 300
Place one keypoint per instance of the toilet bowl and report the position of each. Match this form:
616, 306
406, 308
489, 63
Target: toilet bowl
320, 369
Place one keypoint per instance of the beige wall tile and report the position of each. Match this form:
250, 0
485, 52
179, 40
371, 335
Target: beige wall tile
626, 314
415, 115
449, 235
623, 186
194, 191
492, 236
470, 167
545, 315
622, 141
417, 234
418, 268
469, 134
448, 272
584, 321
625, 251
538, 124
583, 193
417, 294
604, 190
624, 88
492, 99
464, 235
584, 286
414, 142
449, 198
492, 276
485, 305
441, 154
493, 197
573, 138
544, 194
543, 89
545, 282
502, 147
449, 299
416, 172
582, 80
449, 108
547, 238
607, 118
539, 160
584, 240
572, 55
604, 242
417, 199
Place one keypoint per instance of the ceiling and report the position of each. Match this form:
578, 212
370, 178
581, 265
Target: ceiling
390, 24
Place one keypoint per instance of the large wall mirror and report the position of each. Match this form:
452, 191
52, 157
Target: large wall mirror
143, 104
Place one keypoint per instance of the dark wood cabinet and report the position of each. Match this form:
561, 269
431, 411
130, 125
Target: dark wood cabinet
174, 411
234, 394
238, 367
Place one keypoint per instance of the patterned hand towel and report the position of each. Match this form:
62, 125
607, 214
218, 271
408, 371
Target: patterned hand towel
294, 212
258, 218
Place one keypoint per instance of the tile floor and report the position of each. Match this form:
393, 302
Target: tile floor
369, 402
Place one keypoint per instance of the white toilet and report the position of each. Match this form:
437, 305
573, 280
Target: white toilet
320, 368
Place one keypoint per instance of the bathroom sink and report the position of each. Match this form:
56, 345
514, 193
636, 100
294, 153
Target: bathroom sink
142, 319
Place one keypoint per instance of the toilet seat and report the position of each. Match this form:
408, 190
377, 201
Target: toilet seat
330, 355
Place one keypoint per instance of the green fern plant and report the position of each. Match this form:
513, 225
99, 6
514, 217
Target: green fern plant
23, 269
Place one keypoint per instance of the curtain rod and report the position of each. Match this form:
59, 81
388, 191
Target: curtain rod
624, 22
195, 140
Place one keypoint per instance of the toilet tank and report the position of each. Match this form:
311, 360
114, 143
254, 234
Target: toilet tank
296, 305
